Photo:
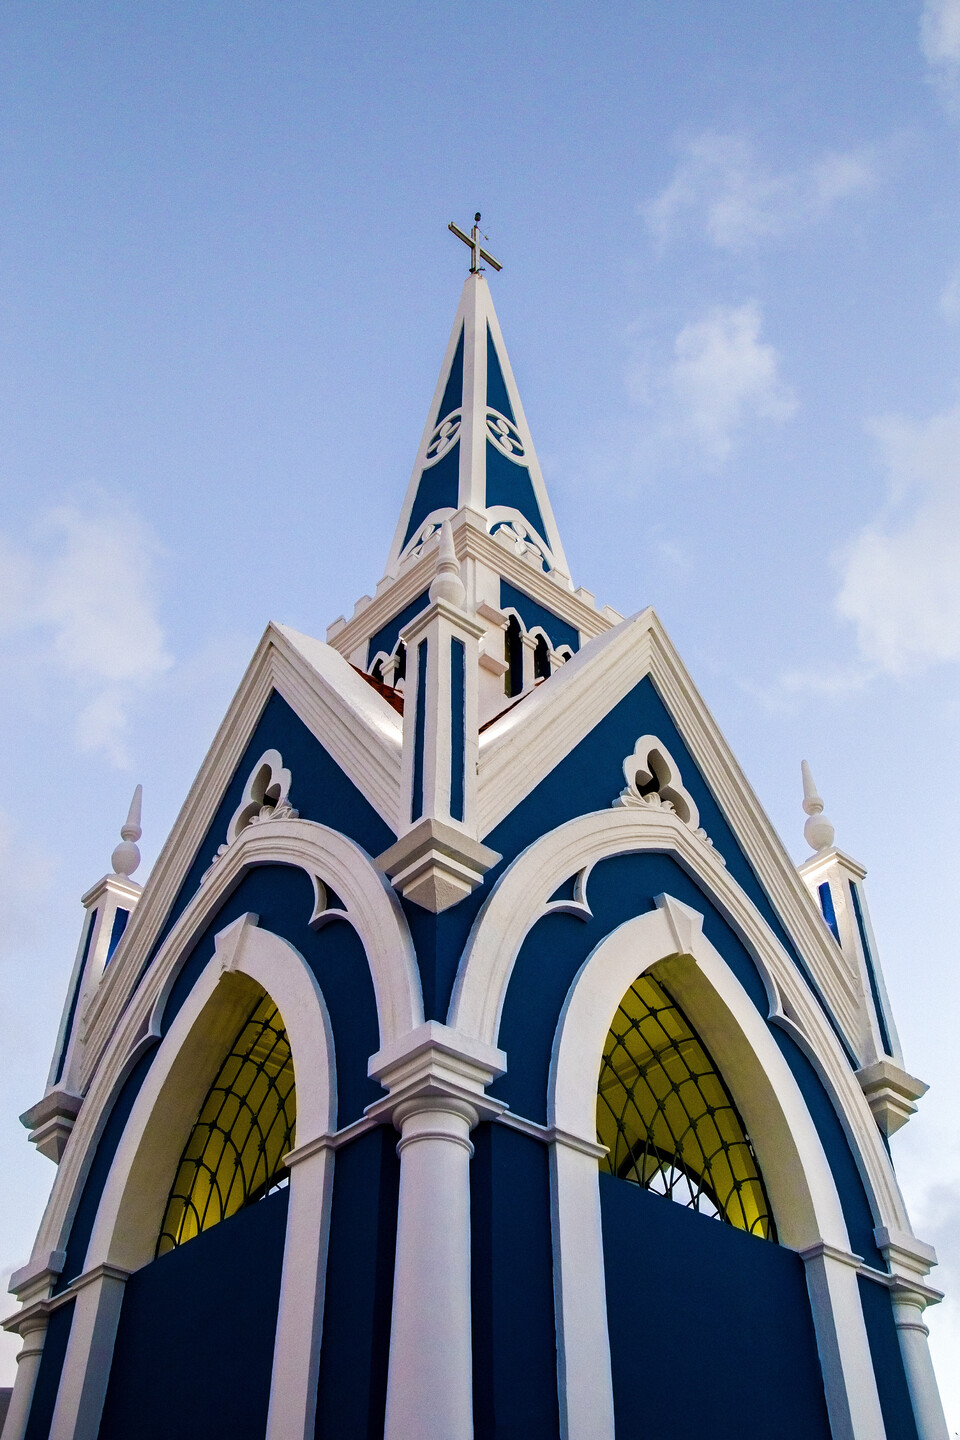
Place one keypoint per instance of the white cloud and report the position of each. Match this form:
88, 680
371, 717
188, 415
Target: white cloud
83, 583
940, 32
950, 296
720, 185
723, 376
901, 576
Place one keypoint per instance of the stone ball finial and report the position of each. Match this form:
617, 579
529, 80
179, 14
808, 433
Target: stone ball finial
818, 831
126, 857
447, 584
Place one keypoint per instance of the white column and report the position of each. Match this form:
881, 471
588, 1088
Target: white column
584, 1378
528, 650
436, 1078
846, 1363
32, 1328
296, 1355
86, 1369
430, 1379
908, 1307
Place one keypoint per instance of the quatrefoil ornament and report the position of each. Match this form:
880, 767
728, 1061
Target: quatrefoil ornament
504, 435
443, 438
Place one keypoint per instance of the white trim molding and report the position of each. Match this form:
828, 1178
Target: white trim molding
122, 1031
791, 1157
522, 895
248, 961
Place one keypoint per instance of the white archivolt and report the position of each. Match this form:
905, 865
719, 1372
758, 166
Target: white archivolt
247, 962
794, 1166
374, 911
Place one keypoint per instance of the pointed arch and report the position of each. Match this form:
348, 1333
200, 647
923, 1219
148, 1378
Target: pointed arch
248, 964
795, 1169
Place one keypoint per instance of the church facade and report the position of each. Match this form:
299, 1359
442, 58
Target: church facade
475, 1061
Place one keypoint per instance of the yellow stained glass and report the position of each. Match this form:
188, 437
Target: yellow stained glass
667, 1119
245, 1127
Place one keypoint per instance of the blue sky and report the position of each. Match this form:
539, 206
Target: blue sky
731, 295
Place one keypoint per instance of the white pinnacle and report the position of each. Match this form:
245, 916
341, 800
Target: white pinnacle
447, 584
126, 857
818, 831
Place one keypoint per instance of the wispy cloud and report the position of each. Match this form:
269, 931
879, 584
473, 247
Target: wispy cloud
79, 593
940, 45
901, 575
722, 188
723, 377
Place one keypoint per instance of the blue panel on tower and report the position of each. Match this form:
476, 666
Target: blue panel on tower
52, 1356
534, 616
194, 1347
737, 1303
453, 394
497, 397
510, 484
386, 638
887, 1360
439, 489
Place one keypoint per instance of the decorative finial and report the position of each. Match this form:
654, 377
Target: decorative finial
447, 584
126, 857
818, 831
477, 252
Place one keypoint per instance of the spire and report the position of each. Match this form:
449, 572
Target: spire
818, 831
476, 449
447, 584
126, 857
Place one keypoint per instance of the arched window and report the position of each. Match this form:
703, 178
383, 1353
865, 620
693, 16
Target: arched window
235, 1152
513, 654
667, 1119
541, 659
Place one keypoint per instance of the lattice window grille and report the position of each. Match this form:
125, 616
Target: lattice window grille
668, 1120
246, 1125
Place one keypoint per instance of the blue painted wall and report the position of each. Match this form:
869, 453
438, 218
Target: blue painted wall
352, 1389
711, 1334
514, 1338
887, 1361
319, 791
194, 1347
387, 636
561, 632
439, 489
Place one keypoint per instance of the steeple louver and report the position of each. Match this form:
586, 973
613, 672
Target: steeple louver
476, 449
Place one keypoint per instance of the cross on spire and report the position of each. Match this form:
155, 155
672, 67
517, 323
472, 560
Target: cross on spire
477, 252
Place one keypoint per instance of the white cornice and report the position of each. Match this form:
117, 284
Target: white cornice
349, 718
472, 542
520, 750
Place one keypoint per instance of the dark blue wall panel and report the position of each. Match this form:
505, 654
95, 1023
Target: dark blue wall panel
887, 1361
48, 1376
514, 1338
282, 896
710, 1329
352, 1390
194, 1346
319, 790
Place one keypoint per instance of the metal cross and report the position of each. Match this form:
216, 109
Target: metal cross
477, 252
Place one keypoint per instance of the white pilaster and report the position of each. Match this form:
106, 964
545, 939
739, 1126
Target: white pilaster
845, 1361
296, 1356
584, 1376
86, 1368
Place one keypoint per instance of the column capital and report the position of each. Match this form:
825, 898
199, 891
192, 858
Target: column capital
437, 1064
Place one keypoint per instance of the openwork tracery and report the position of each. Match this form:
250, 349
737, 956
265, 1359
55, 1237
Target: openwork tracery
668, 1120
235, 1152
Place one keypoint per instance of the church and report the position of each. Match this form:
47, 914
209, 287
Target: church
475, 1062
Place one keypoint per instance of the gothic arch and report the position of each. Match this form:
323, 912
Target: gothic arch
521, 896
372, 908
790, 1155
247, 962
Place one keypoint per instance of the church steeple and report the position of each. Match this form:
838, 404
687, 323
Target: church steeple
476, 449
